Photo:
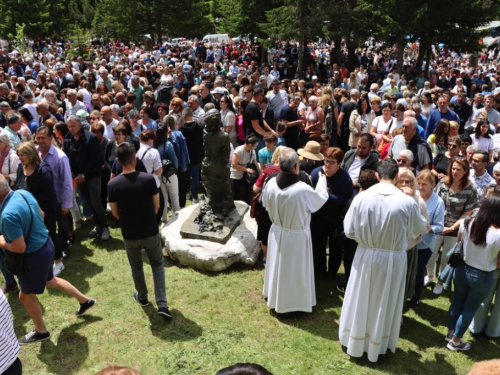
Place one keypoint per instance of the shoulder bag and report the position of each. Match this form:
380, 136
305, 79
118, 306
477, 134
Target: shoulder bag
251, 178
14, 262
456, 254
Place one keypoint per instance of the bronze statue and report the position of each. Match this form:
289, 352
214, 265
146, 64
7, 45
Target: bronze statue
215, 172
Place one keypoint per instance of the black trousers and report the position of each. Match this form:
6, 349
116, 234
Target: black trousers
341, 249
322, 232
240, 190
15, 369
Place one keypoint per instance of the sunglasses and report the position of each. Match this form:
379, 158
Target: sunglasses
402, 161
94, 118
452, 146
330, 162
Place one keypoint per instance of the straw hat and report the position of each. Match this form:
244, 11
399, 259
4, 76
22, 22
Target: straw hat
311, 151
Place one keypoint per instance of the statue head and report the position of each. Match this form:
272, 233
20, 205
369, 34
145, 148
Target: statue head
212, 121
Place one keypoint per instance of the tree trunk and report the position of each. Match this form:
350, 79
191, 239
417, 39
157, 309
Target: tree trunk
428, 56
351, 55
338, 50
401, 49
302, 36
421, 53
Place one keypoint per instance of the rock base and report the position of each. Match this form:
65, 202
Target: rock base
190, 228
241, 247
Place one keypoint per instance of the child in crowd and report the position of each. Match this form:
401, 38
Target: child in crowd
266, 154
280, 129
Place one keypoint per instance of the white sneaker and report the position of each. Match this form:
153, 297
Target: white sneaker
438, 289
428, 280
57, 268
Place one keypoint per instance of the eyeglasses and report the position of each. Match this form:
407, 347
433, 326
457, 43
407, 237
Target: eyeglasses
452, 146
246, 92
405, 182
94, 118
402, 161
330, 162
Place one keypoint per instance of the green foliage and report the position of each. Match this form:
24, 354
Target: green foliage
20, 38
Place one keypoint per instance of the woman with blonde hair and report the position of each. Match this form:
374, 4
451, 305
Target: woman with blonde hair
407, 183
176, 107
117, 87
35, 176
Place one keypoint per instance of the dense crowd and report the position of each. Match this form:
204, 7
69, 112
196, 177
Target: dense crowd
75, 130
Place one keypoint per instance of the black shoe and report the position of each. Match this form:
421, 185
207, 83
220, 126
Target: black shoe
71, 239
341, 288
66, 254
34, 336
414, 301
85, 306
142, 301
164, 311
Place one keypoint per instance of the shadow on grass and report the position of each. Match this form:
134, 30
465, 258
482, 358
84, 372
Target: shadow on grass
321, 322
70, 351
391, 362
78, 270
179, 328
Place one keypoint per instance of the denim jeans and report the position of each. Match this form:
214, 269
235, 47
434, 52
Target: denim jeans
9, 278
471, 288
446, 277
152, 246
423, 258
478, 324
91, 192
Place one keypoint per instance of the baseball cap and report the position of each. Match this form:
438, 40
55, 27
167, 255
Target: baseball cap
82, 113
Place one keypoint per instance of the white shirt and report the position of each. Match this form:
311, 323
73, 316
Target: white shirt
355, 167
276, 102
32, 109
9, 347
151, 159
108, 130
482, 258
72, 109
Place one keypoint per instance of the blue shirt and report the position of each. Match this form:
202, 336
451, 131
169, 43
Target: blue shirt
63, 182
435, 208
265, 156
16, 217
434, 118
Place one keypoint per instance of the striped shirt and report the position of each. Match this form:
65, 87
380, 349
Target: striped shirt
9, 347
456, 203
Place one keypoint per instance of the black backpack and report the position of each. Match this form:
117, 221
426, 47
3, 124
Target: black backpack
165, 93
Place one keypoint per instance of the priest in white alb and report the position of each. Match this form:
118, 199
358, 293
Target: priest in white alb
380, 220
289, 279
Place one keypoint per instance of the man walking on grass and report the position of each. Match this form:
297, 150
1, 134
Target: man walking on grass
134, 200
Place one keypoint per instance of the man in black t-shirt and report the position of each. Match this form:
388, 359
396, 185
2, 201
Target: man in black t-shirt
293, 123
134, 200
253, 122
343, 120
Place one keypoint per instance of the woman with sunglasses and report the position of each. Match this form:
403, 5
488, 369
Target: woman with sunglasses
442, 160
176, 107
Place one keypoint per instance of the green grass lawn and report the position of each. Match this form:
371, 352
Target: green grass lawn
219, 319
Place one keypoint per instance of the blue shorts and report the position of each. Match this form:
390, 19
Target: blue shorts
38, 270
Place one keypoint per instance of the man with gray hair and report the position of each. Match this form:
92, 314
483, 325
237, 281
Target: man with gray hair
343, 120
194, 104
73, 105
422, 156
289, 279
42, 108
13, 126
84, 153
136, 88
104, 79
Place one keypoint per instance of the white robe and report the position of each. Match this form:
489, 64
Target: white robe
289, 279
380, 220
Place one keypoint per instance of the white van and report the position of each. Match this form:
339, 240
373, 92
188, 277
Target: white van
216, 39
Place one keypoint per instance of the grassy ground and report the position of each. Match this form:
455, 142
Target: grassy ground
219, 319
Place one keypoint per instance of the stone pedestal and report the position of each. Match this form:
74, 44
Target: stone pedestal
207, 255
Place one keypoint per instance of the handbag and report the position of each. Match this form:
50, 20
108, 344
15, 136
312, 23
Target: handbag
14, 262
456, 254
383, 142
251, 178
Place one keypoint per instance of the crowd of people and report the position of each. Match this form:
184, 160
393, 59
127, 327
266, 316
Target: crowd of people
373, 168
